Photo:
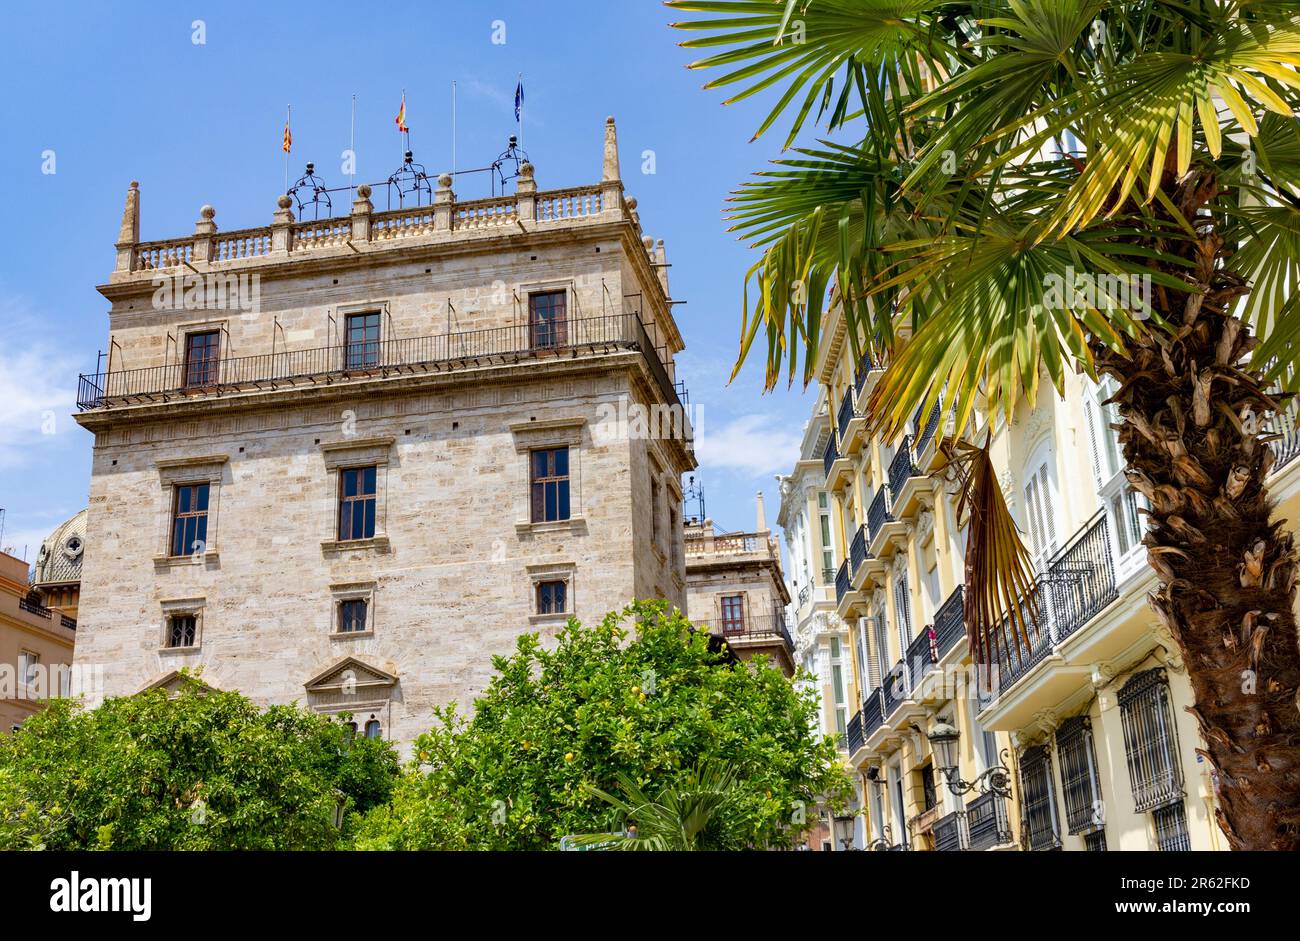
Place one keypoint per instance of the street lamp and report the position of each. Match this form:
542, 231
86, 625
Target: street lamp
943, 741
844, 830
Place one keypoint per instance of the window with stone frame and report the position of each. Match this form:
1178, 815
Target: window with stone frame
547, 320
202, 358
182, 630
354, 615
549, 484
361, 335
358, 500
189, 518
733, 614
553, 597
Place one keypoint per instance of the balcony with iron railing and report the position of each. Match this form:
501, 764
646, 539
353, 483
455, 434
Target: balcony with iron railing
845, 415
902, 468
1076, 585
895, 689
387, 359
878, 514
873, 712
858, 550
921, 657
853, 735
842, 583
950, 623
925, 432
830, 456
758, 629
32, 605
949, 832
987, 825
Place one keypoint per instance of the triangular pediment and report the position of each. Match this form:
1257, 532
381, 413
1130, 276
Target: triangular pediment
174, 680
350, 672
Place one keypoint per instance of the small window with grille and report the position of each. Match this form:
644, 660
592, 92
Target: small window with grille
1095, 842
182, 630
1150, 741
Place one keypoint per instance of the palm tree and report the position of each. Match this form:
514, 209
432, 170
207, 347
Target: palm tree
684, 815
995, 152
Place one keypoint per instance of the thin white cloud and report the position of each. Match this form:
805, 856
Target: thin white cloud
36, 389
756, 445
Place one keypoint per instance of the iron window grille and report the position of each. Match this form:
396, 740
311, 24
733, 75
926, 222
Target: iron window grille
182, 630
1150, 741
202, 358
1171, 829
357, 500
352, 616
1039, 819
362, 344
189, 519
1080, 782
1095, 842
550, 485
552, 597
547, 320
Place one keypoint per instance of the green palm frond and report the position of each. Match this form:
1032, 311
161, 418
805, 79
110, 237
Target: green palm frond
680, 817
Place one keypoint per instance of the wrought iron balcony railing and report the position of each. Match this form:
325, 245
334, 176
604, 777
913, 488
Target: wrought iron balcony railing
873, 712
1079, 582
986, 822
448, 352
878, 514
861, 372
758, 627
894, 689
949, 833
830, 455
903, 467
805, 594
842, 582
854, 733
921, 656
845, 413
925, 433
69, 623
858, 549
950, 622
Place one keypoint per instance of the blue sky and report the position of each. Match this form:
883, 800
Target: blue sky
123, 92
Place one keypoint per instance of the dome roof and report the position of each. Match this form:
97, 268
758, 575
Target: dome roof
59, 560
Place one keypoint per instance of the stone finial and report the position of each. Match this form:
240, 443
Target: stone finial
207, 221
129, 233
284, 212
285, 201
611, 172
527, 181
526, 171
649, 243
363, 191
444, 181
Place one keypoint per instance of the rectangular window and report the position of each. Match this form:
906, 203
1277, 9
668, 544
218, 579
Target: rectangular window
733, 614
352, 615
29, 665
552, 597
1150, 742
189, 519
201, 358
1095, 842
1039, 818
182, 630
547, 320
654, 511
357, 499
549, 473
1080, 783
362, 339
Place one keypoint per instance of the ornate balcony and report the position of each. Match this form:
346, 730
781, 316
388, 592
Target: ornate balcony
845, 414
902, 468
921, 657
853, 736
987, 825
950, 622
949, 832
842, 582
858, 549
878, 515
830, 456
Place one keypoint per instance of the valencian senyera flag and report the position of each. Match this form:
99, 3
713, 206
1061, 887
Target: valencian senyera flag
401, 116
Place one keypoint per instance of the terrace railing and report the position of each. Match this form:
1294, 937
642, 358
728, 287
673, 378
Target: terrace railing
447, 352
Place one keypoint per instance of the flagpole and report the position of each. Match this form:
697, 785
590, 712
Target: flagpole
521, 110
453, 134
352, 148
406, 131
288, 123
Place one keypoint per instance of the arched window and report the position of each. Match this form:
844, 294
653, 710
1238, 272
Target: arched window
372, 729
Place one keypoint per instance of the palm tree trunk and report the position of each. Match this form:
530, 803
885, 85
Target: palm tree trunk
1194, 435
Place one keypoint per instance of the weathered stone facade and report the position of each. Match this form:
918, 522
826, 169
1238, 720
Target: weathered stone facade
447, 405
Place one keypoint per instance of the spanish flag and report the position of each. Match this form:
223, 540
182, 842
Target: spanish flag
288, 139
401, 116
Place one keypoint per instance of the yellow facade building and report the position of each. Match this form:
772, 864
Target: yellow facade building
1082, 740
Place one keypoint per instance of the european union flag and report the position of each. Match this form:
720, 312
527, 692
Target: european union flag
519, 100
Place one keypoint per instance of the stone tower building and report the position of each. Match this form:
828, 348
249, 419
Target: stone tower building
346, 461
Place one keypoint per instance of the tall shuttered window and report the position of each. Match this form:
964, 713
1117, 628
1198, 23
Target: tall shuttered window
1150, 741
1039, 799
1080, 782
